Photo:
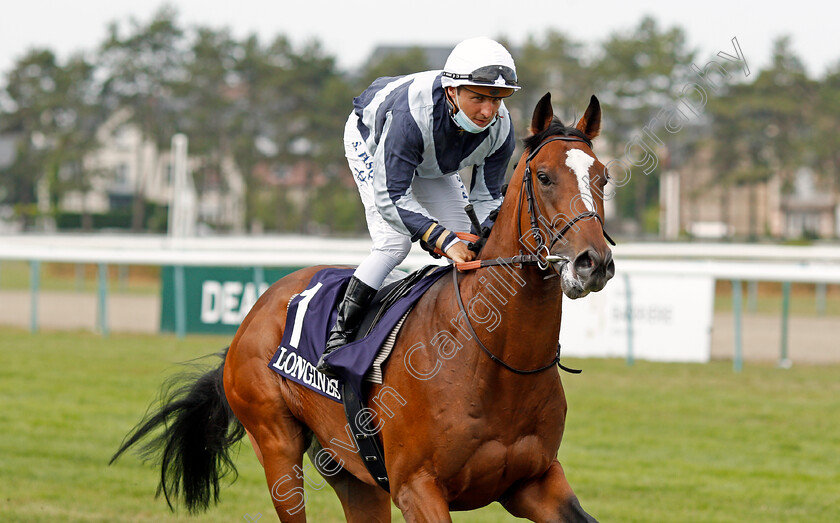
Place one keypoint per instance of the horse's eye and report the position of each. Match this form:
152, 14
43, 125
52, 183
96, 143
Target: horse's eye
543, 178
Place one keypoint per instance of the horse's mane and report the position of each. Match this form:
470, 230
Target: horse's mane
555, 128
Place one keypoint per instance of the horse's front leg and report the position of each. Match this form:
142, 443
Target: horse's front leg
421, 500
547, 499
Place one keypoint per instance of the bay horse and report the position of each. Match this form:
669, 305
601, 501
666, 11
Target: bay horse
472, 408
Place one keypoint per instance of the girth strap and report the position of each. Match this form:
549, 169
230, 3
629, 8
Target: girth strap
370, 449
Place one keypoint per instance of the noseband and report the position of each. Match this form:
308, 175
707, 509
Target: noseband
536, 215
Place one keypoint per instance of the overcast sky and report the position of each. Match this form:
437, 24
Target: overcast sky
351, 29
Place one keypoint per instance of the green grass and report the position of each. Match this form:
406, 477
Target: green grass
652, 442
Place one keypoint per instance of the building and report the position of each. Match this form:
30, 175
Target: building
128, 164
809, 212
809, 209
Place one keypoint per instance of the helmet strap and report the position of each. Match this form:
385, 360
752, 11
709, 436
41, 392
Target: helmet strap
453, 103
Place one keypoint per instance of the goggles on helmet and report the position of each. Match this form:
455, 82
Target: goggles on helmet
489, 74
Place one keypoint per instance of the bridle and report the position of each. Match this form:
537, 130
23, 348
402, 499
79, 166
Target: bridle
542, 257
536, 215
533, 258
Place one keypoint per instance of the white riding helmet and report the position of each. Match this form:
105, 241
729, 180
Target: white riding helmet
480, 62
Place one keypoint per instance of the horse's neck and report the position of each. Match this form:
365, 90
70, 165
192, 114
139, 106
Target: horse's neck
515, 311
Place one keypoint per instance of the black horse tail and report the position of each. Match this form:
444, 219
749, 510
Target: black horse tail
193, 448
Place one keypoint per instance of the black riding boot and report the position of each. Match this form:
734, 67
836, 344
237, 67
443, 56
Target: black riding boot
350, 312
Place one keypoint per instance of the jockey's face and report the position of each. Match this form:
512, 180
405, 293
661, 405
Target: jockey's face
479, 107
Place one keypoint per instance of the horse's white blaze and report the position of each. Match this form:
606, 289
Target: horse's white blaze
580, 162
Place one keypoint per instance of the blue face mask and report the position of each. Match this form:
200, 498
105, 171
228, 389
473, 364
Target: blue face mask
463, 121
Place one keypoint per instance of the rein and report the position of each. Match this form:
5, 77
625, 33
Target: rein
543, 261
493, 357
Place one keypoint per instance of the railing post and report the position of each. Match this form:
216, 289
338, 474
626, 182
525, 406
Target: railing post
784, 362
122, 277
180, 302
629, 313
34, 286
820, 291
259, 279
737, 359
80, 277
102, 303
752, 296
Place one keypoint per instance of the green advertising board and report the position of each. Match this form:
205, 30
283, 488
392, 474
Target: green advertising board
216, 299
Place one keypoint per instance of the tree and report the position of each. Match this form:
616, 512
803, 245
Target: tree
552, 64
252, 119
77, 118
205, 98
291, 108
396, 63
640, 73
763, 129
32, 90
826, 127
319, 101
142, 67
54, 112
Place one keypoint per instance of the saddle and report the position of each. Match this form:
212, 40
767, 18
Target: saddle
387, 296
310, 316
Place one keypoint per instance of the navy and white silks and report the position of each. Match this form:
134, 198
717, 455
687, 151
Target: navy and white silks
405, 153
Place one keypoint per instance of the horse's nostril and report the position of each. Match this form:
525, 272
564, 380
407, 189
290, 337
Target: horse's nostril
610, 269
584, 263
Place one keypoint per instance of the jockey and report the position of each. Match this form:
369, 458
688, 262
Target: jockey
405, 141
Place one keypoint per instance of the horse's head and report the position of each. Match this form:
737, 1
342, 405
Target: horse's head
562, 189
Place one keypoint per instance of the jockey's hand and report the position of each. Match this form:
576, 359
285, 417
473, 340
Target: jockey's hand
460, 253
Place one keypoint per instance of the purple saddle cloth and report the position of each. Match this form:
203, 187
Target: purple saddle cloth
311, 315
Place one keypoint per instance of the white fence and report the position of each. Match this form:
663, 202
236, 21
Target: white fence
296, 250
637, 266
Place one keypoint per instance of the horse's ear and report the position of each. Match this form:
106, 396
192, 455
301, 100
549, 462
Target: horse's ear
590, 124
542, 115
